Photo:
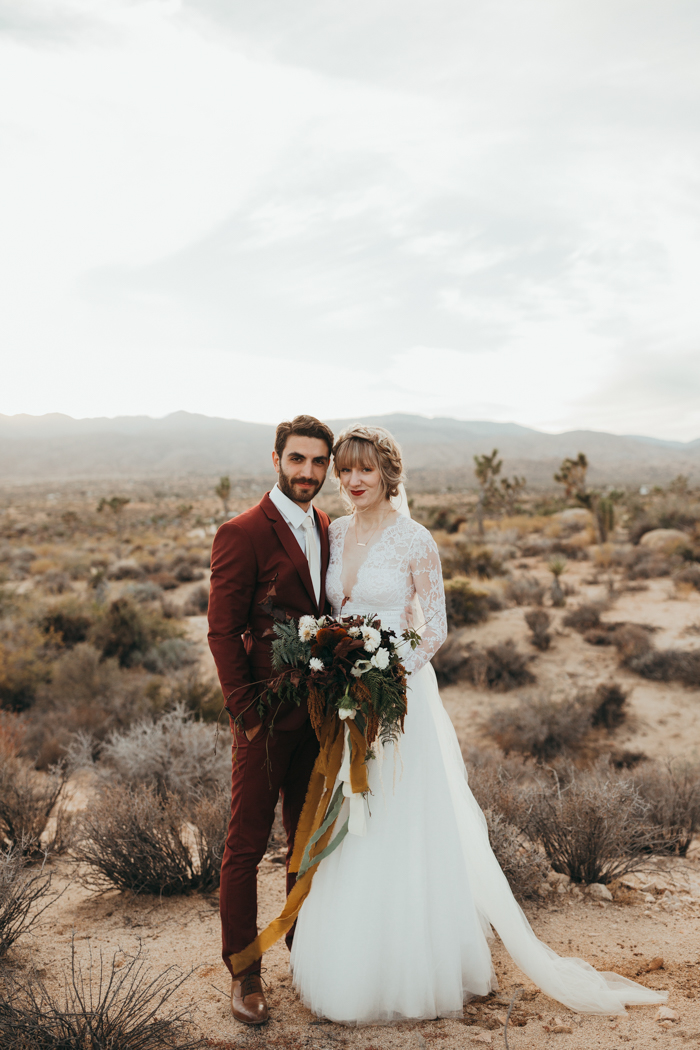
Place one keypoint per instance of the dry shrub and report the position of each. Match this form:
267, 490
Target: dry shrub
646, 564
672, 793
448, 662
116, 1005
25, 894
28, 800
128, 632
689, 575
86, 694
539, 621
197, 603
525, 590
197, 693
125, 570
500, 667
185, 572
67, 622
143, 592
543, 728
461, 558
465, 604
638, 654
595, 826
145, 842
175, 755
522, 863
585, 617
23, 664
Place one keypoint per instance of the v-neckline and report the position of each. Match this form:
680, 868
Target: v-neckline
348, 597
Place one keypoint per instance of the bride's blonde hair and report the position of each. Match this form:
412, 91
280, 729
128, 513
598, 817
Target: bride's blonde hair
370, 447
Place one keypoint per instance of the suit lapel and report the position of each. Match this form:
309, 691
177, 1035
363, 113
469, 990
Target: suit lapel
289, 542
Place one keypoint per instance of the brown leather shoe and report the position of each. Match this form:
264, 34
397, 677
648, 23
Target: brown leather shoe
248, 1000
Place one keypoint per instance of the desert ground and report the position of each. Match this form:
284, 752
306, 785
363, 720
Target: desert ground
647, 924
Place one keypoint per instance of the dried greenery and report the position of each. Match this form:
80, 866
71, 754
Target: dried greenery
499, 667
585, 617
113, 1004
32, 818
638, 654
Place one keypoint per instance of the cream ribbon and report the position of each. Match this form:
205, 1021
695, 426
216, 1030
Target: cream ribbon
357, 824
312, 554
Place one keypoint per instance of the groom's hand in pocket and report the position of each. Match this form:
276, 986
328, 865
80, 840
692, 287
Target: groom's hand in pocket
252, 733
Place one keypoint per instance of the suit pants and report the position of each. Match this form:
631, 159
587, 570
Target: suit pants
263, 768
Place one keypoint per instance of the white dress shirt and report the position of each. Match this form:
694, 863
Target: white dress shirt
294, 517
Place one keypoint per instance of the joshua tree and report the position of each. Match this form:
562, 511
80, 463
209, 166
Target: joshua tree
557, 566
572, 475
511, 489
604, 516
486, 468
223, 491
116, 504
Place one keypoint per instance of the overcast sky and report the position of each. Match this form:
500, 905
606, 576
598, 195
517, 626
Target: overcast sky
250, 208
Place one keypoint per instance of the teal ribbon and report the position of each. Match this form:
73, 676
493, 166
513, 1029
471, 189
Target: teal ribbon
331, 817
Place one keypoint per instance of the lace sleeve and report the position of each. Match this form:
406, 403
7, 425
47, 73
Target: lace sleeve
426, 573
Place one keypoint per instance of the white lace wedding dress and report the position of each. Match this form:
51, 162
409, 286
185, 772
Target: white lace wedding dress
397, 921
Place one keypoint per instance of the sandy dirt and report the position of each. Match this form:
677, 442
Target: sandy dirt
656, 915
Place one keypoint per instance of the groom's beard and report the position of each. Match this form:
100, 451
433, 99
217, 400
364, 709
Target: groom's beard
293, 490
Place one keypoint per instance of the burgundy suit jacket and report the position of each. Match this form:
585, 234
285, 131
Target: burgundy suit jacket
258, 573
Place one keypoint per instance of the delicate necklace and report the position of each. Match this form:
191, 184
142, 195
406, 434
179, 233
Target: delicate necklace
371, 533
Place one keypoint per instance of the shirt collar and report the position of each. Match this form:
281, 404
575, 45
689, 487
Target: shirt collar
291, 510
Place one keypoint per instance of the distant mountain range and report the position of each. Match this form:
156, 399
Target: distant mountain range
438, 452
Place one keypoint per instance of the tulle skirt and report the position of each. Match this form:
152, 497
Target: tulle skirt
397, 922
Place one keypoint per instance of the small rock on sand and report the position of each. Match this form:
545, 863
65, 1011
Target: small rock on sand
599, 892
665, 1013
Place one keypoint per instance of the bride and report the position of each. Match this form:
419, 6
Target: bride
397, 921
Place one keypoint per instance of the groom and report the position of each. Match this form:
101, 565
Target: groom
266, 563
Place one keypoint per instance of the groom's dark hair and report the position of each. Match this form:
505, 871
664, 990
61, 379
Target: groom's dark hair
304, 426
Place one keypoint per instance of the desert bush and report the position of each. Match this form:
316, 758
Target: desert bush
197, 603
116, 1005
670, 512
647, 564
539, 621
56, 582
144, 591
185, 572
585, 617
128, 632
145, 842
594, 827
23, 664
165, 580
197, 693
500, 667
522, 863
175, 755
171, 654
541, 727
691, 575
125, 570
544, 728
465, 604
672, 793
28, 801
668, 665
25, 894
462, 558
525, 590
444, 519
69, 622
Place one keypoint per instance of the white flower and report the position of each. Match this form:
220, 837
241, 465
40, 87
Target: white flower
346, 712
380, 659
360, 667
315, 664
308, 628
354, 632
371, 638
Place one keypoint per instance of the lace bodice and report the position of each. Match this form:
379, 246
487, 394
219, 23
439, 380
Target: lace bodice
402, 565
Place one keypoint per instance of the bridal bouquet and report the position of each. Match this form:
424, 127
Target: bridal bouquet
349, 666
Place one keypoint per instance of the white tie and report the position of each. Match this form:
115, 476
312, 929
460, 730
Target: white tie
312, 554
